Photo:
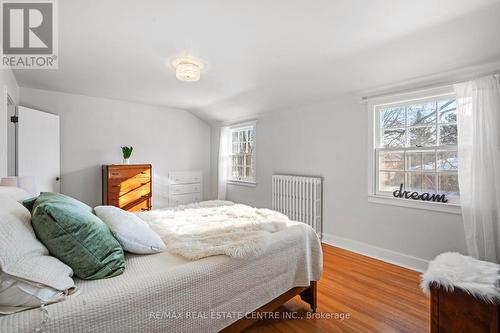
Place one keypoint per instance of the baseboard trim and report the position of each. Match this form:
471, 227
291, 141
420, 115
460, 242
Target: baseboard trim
403, 260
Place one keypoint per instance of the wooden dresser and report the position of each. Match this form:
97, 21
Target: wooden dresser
127, 186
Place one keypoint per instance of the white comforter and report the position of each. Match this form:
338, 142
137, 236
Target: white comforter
167, 293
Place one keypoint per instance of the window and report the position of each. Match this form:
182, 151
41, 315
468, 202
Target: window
243, 153
415, 144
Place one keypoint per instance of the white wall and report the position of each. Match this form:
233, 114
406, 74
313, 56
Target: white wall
8, 84
330, 140
93, 129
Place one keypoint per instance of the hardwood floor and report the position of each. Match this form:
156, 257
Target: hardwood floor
378, 297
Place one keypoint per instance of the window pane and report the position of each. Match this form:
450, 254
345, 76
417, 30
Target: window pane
429, 182
422, 136
251, 147
235, 148
448, 134
421, 114
235, 137
414, 181
248, 172
393, 117
429, 161
234, 167
448, 184
252, 135
447, 111
391, 160
394, 138
421, 182
421, 161
248, 160
447, 160
390, 181
414, 161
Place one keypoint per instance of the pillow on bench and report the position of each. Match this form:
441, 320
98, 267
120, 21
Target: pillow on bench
77, 237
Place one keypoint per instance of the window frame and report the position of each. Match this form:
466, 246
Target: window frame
375, 130
243, 181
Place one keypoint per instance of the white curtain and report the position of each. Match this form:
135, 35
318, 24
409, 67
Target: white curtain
224, 162
478, 116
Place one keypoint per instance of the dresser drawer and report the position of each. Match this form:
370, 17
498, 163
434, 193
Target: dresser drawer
123, 186
129, 173
185, 189
140, 206
184, 177
183, 199
123, 200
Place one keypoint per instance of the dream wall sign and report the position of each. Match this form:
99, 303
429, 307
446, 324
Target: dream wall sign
417, 196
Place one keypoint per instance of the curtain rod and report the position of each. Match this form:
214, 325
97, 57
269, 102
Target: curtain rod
364, 99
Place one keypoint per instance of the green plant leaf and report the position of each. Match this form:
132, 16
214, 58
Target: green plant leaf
127, 151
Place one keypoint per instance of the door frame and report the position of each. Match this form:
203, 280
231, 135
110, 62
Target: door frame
11, 102
4, 132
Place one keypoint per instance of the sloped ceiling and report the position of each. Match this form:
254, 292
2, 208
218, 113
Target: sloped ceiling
261, 55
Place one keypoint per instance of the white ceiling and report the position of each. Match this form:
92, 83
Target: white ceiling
261, 55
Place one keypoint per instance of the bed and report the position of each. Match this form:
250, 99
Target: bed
167, 293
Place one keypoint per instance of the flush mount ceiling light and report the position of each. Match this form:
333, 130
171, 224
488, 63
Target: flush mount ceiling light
187, 69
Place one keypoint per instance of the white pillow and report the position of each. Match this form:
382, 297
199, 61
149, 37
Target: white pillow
17, 294
29, 276
15, 193
132, 233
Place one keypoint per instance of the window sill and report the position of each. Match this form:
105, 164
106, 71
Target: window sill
410, 203
242, 183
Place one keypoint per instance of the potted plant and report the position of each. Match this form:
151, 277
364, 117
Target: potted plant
127, 152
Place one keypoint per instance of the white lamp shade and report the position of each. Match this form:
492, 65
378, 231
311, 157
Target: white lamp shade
27, 183
9, 181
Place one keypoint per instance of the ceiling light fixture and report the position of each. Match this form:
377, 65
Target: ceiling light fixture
187, 69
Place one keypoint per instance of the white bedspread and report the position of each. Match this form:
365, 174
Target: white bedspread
167, 293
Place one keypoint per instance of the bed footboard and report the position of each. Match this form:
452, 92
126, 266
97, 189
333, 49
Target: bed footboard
307, 294
310, 295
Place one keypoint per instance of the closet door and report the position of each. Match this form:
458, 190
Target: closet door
38, 146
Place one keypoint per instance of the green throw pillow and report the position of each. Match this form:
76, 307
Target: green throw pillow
28, 203
77, 237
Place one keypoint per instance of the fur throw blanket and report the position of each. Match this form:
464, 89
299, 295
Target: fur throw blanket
451, 270
214, 228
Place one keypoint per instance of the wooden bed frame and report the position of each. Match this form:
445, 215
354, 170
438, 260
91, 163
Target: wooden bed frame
307, 294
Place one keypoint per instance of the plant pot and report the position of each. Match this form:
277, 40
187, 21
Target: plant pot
126, 161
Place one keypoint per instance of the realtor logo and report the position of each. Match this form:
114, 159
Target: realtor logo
29, 34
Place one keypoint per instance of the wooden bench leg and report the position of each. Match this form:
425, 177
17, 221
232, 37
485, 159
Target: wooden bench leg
310, 296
